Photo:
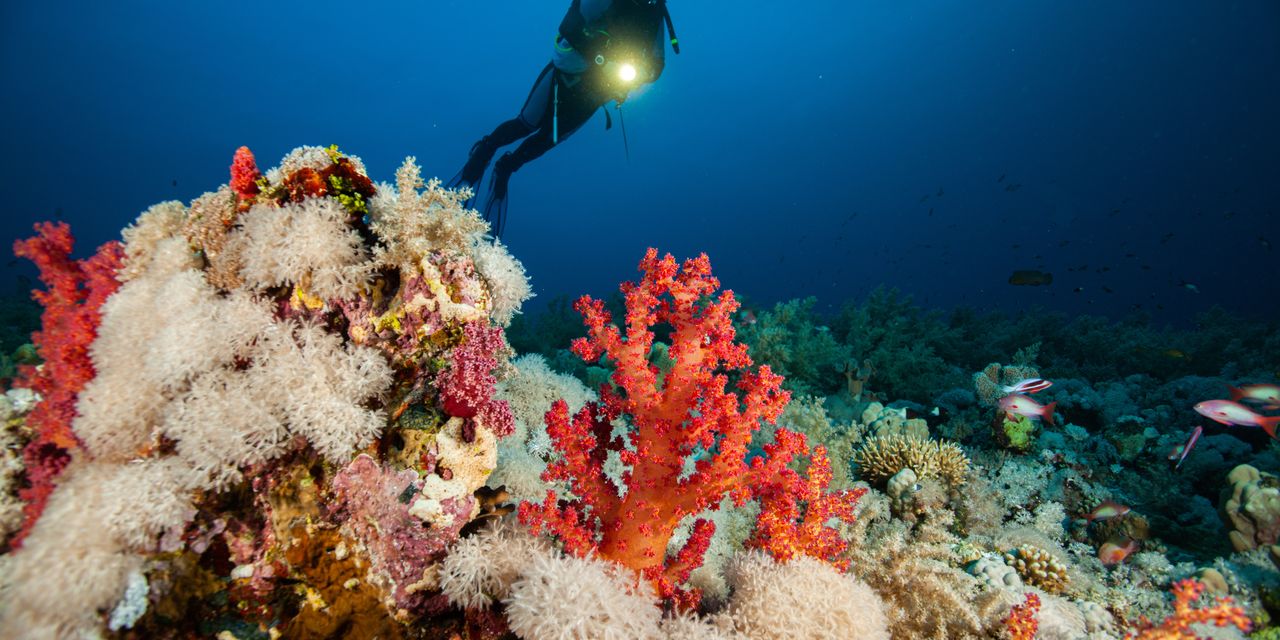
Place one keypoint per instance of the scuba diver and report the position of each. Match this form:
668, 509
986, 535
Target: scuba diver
604, 49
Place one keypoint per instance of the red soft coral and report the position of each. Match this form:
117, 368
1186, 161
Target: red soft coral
689, 414
1223, 613
244, 174
75, 291
1022, 622
466, 385
794, 510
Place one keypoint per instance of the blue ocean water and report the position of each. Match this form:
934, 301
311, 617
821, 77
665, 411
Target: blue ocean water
933, 146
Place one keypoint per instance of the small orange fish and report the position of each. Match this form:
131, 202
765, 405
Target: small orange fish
1115, 550
1107, 510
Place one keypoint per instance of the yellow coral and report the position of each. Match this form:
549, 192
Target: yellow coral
1038, 568
883, 456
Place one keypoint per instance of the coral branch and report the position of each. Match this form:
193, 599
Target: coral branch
1224, 612
75, 291
1022, 623
688, 415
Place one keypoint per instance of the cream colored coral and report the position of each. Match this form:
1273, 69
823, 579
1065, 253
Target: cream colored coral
913, 569
882, 457
567, 598
1251, 505
804, 598
508, 284
882, 421
481, 568
413, 224
306, 244
1038, 568
995, 572
157, 223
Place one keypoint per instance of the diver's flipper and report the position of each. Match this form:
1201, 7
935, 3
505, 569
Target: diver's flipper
473, 171
495, 208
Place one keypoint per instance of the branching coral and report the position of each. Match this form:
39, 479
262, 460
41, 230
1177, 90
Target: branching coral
76, 290
1021, 623
882, 457
690, 415
1222, 613
913, 570
1038, 568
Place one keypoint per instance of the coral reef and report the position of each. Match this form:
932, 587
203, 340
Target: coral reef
299, 361
289, 408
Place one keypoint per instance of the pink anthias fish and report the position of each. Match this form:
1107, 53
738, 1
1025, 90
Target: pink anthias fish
1234, 413
1021, 405
1114, 551
1180, 452
1106, 510
1266, 394
1028, 385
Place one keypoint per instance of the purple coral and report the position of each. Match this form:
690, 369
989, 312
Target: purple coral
467, 384
375, 502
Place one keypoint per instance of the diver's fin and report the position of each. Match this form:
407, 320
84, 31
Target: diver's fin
495, 208
473, 171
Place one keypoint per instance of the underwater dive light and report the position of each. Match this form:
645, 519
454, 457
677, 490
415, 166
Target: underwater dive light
627, 72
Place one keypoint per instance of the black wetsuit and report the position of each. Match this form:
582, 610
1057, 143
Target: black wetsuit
595, 37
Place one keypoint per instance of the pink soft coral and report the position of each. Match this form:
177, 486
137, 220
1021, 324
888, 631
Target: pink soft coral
75, 291
467, 384
687, 414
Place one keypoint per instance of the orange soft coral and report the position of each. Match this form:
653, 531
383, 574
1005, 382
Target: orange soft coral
1223, 613
689, 414
1022, 623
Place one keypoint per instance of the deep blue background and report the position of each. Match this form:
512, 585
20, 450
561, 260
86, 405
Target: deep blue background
795, 146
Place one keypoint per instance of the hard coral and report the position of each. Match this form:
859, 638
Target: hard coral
882, 457
378, 506
1251, 506
689, 414
1038, 568
75, 292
